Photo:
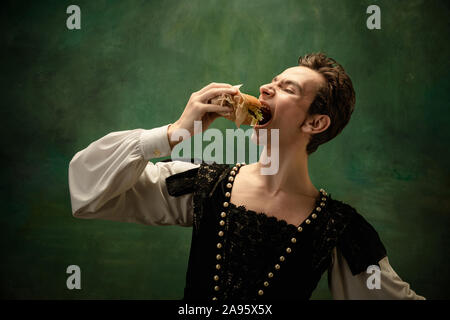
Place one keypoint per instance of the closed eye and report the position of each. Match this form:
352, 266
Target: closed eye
289, 91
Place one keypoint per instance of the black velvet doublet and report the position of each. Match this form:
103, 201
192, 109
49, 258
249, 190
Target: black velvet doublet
252, 243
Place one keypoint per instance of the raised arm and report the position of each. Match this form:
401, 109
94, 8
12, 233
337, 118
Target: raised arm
113, 179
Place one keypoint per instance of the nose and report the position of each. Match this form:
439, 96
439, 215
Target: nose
266, 90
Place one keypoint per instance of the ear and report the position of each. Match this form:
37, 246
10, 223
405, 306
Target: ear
316, 123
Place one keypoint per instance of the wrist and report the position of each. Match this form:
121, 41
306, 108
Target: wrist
170, 129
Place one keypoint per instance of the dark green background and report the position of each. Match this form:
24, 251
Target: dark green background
134, 64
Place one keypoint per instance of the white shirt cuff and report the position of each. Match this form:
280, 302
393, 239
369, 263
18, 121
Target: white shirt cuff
154, 143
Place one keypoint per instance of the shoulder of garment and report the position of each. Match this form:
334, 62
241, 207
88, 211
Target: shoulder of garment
357, 239
202, 180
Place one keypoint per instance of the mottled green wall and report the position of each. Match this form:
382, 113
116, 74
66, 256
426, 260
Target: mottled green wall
134, 64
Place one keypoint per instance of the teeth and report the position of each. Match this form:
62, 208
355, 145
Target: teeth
265, 107
268, 110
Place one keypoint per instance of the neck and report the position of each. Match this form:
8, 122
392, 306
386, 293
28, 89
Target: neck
292, 176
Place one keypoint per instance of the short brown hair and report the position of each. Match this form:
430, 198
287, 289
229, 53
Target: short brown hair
336, 98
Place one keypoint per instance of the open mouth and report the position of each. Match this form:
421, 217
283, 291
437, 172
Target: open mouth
267, 116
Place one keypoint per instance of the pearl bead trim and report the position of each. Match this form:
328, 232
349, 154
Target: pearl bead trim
234, 171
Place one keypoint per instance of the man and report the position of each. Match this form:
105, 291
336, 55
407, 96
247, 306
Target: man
254, 236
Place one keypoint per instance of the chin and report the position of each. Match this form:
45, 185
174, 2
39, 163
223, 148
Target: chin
265, 132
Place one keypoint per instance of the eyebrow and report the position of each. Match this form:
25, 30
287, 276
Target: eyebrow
295, 84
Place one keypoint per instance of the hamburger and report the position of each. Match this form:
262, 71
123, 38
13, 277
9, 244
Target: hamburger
247, 109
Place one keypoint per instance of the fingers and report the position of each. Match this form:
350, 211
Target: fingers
213, 85
223, 110
211, 93
223, 114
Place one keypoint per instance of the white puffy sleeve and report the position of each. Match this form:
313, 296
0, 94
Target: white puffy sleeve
112, 179
346, 286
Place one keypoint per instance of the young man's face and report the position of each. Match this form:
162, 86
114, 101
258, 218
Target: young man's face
289, 96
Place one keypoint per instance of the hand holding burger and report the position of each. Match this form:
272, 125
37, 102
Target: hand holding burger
219, 99
246, 108
199, 108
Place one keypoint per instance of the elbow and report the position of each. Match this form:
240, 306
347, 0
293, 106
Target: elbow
77, 211
75, 195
